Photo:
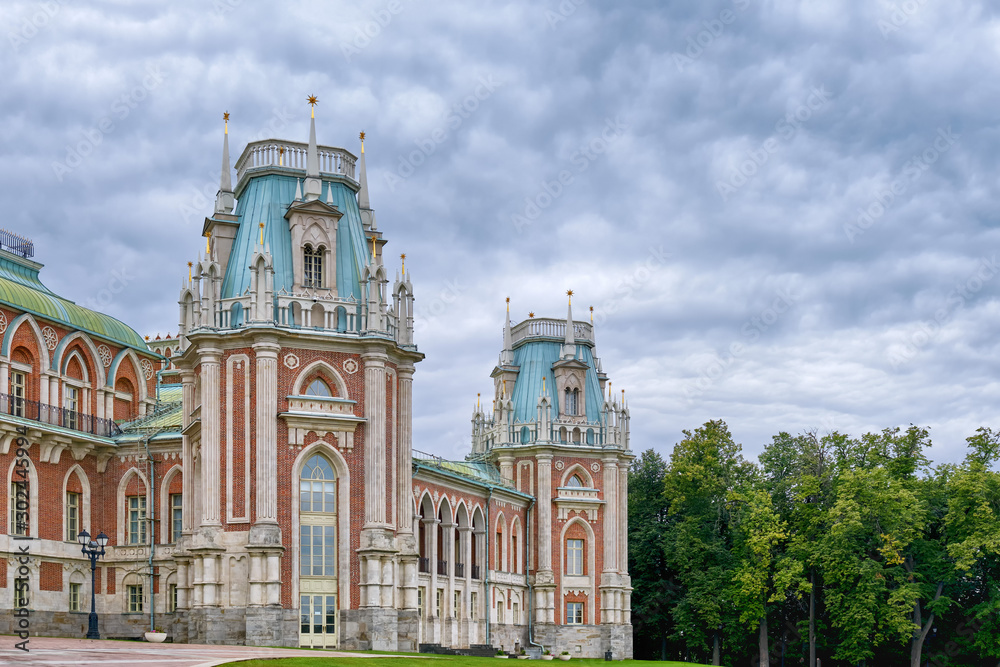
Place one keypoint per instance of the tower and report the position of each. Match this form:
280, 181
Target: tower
297, 373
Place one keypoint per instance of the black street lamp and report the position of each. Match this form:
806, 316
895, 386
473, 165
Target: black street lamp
93, 549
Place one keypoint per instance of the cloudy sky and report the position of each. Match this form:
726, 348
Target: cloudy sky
784, 213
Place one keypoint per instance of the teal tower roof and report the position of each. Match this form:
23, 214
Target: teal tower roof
535, 359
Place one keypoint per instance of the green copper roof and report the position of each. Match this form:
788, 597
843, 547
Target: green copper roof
266, 199
20, 288
535, 359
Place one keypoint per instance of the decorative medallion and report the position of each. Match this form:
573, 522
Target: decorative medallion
595, 466
147, 368
291, 361
51, 337
3, 322
560, 465
104, 352
351, 366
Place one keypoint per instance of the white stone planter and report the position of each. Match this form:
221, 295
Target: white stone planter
155, 637
548, 657
565, 657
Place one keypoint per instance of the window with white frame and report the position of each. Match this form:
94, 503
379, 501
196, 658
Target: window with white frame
136, 519
574, 557
72, 516
475, 607
20, 593
312, 267
134, 596
18, 392
74, 596
420, 601
72, 407
176, 517
515, 614
438, 603
572, 401
574, 613
171, 598
18, 518
456, 610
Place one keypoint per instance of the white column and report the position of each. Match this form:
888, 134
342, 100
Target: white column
375, 489
404, 450
210, 432
266, 387
623, 518
187, 459
544, 511
4, 377
611, 526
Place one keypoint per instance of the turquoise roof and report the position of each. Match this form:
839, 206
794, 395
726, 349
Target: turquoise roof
535, 359
21, 289
266, 199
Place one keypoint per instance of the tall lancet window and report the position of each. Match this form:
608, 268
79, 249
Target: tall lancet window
572, 401
312, 266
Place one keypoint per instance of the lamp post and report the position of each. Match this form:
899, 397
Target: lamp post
93, 549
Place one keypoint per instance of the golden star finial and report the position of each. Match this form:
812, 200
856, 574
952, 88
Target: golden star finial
225, 116
362, 136
569, 292
313, 100
147, 337
531, 314
402, 258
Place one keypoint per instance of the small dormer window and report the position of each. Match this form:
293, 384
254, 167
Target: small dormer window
575, 482
572, 401
312, 266
318, 388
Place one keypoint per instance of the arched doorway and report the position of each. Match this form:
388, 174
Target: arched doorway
318, 554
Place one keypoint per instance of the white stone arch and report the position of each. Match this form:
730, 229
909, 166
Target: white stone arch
590, 558
427, 517
579, 471
327, 371
166, 519
517, 564
343, 518
44, 361
85, 521
122, 502
128, 353
32, 496
61, 359
64, 365
500, 526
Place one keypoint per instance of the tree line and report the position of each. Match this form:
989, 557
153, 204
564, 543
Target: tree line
847, 551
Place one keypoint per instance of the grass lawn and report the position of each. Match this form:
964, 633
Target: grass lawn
429, 661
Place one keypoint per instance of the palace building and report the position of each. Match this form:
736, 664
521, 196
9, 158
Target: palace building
255, 474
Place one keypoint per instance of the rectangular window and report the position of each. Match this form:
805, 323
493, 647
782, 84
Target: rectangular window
136, 519
18, 508
499, 552
574, 613
74, 596
176, 517
72, 516
318, 551
475, 607
457, 609
171, 598
135, 599
515, 616
72, 407
439, 601
20, 593
420, 601
18, 387
574, 557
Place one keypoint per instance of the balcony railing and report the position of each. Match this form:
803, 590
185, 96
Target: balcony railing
424, 565
459, 569
443, 567
476, 574
50, 414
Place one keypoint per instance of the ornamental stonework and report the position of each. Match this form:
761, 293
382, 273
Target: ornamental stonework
291, 361
104, 352
351, 366
51, 337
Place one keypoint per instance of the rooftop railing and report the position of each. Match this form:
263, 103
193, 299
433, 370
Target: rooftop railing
293, 154
544, 327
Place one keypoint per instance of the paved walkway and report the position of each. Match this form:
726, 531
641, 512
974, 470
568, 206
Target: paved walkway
52, 652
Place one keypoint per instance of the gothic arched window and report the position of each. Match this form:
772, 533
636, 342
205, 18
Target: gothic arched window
312, 266
575, 481
318, 388
572, 401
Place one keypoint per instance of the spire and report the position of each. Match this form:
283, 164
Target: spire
224, 198
507, 356
363, 201
314, 187
298, 189
569, 343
